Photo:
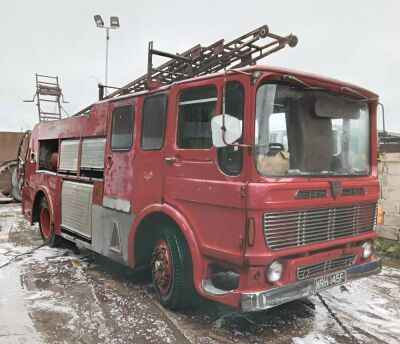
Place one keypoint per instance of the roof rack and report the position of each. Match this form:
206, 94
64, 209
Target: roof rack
198, 61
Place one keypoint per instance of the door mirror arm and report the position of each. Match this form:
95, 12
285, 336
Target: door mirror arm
233, 123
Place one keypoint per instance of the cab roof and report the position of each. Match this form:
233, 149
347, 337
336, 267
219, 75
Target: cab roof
309, 77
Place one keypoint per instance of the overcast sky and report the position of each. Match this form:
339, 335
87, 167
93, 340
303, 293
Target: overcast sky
351, 40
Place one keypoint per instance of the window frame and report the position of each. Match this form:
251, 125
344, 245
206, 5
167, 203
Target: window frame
275, 81
221, 167
164, 95
178, 99
128, 149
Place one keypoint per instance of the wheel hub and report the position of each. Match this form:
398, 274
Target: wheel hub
45, 222
162, 268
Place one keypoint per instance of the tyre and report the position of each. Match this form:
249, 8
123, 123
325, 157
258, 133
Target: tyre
16, 195
46, 227
171, 268
15, 191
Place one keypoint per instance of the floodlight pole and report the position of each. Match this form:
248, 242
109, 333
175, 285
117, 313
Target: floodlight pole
107, 39
114, 24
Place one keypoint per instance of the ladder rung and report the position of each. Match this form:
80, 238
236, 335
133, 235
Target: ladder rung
47, 83
46, 76
48, 100
50, 113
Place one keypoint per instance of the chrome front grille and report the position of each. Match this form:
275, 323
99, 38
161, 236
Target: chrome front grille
303, 227
334, 264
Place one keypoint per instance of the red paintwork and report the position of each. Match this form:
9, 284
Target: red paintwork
45, 222
98, 187
210, 207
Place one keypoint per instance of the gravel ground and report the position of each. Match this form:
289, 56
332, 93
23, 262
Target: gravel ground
71, 295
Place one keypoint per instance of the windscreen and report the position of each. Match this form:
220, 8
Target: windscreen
299, 131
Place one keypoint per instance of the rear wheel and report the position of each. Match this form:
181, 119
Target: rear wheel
171, 267
46, 227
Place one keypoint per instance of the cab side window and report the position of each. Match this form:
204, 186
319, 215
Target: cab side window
122, 128
196, 108
153, 127
230, 159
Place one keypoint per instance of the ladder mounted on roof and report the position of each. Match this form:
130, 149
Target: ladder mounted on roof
198, 61
48, 97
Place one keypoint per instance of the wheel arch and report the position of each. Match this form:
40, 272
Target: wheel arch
40, 193
141, 229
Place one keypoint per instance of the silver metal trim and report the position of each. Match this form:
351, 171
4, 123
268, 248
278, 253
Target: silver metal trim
117, 204
46, 172
76, 208
209, 288
75, 239
93, 153
197, 101
103, 222
295, 228
262, 300
74, 230
69, 155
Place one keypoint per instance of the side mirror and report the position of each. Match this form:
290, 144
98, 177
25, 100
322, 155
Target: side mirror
232, 132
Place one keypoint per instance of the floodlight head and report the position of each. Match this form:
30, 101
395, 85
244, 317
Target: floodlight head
98, 20
114, 22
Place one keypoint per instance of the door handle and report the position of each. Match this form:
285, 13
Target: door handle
170, 160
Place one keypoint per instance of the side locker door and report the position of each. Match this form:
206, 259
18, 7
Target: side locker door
111, 222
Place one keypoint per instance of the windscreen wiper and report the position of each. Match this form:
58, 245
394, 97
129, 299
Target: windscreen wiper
294, 172
342, 173
351, 90
292, 78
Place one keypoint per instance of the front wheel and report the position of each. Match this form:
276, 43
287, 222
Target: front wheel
171, 267
45, 225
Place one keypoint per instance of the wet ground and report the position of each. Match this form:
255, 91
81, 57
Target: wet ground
67, 295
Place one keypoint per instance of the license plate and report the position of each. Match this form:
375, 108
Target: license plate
330, 280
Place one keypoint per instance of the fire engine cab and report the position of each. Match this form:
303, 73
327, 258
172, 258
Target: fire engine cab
251, 186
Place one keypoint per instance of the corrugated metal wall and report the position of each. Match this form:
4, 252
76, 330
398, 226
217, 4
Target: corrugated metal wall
389, 177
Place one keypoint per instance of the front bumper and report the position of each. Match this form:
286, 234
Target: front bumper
274, 297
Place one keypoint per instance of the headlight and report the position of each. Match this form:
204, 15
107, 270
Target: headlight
367, 250
274, 272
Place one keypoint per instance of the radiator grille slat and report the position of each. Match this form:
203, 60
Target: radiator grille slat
334, 264
303, 227
93, 153
76, 208
69, 155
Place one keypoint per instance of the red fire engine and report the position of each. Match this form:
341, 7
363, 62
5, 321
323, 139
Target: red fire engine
252, 186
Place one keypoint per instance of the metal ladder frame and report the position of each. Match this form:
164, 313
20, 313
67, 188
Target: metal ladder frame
198, 61
48, 90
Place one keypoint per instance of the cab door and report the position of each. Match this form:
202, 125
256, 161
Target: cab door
149, 159
211, 198
120, 155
